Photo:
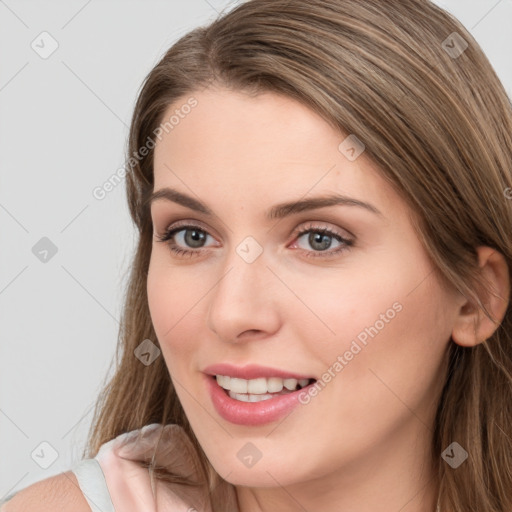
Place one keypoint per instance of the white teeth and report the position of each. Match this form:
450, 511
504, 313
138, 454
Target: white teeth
258, 398
223, 381
260, 386
238, 385
274, 385
249, 398
257, 386
290, 384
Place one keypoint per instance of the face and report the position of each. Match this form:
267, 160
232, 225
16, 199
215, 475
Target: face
343, 294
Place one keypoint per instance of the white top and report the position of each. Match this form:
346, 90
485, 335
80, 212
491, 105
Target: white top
92, 482
118, 479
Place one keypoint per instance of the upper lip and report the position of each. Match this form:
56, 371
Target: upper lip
252, 371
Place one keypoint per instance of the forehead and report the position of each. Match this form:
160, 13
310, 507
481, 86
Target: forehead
233, 126
269, 145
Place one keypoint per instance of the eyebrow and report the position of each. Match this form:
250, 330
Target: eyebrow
278, 211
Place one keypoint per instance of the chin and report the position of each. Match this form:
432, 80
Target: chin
257, 478
269, 471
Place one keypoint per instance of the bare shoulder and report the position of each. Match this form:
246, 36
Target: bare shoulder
59, 492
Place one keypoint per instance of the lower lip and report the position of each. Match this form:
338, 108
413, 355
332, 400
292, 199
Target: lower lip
252, 413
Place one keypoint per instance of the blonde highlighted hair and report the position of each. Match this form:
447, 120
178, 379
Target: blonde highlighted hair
439, 126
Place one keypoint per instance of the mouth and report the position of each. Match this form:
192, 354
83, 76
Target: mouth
257, 401
253, 395
259, 389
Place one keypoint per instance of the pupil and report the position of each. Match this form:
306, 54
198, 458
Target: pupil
318, 238
196, 236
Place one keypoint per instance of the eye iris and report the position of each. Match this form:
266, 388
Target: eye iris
195, 236
320, 238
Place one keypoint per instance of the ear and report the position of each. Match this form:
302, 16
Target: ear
472, 326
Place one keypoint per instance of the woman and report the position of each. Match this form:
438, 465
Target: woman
318, 313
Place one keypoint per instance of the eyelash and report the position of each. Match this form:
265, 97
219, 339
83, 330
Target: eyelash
178, 251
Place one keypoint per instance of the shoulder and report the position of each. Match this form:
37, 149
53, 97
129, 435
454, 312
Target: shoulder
63, 492
59, 492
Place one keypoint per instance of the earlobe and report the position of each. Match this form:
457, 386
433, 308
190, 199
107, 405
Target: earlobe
472, 325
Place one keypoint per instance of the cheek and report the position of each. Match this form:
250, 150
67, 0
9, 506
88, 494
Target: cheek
174, 305
389, 317
350, 303
390, 333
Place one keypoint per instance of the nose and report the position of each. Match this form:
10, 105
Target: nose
245, 302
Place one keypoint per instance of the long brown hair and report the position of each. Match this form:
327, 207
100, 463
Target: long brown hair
436, 119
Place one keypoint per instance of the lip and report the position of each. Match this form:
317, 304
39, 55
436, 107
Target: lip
252, 371
251, 413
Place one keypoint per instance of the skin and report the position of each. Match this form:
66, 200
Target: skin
363, 442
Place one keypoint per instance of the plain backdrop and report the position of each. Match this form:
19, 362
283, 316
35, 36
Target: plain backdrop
69, 76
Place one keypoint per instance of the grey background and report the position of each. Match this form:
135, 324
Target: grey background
63, 126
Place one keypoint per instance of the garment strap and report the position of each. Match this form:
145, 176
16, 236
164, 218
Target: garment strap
93, 485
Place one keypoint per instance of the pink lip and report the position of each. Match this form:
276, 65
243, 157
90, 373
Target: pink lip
251, 371
251, 413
